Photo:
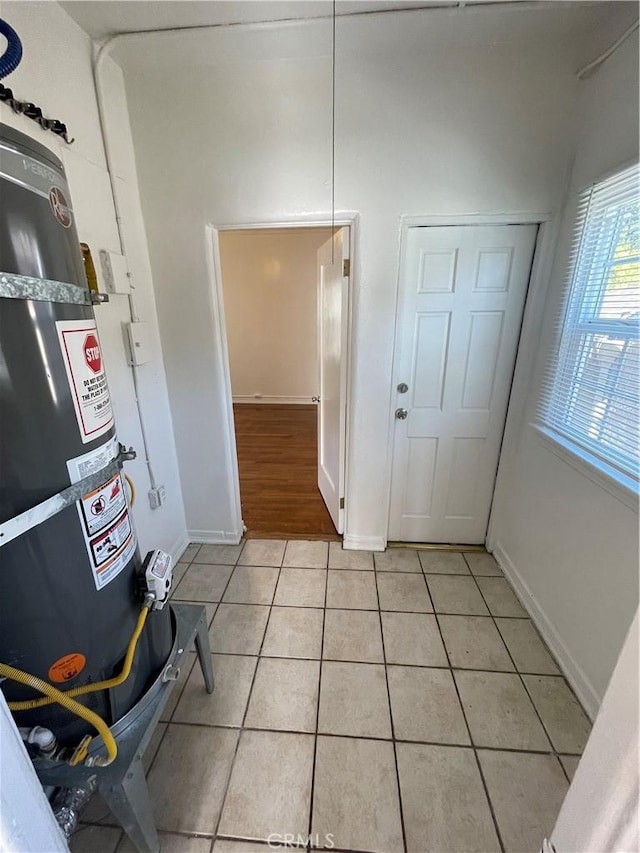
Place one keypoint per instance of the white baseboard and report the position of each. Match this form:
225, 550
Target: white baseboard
179, 546
214, 537
363, 543
266, 400
574, 673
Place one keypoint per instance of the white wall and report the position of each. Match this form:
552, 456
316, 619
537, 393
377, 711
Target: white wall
601, 811
270, 289
56, 73
438, 112
569, 544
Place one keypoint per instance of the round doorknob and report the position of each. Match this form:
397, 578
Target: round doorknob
401, 414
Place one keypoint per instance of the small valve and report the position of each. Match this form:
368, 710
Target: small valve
158, 576
126, 455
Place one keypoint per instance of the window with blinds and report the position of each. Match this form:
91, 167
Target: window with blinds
591, 394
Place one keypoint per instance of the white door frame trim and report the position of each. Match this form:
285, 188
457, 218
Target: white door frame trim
348, 219
534, 302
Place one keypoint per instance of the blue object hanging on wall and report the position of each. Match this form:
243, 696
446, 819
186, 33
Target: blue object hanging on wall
12, 56
9, 61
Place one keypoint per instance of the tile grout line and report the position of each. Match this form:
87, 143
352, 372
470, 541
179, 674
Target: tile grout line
393, 731
355, 609
169, 722
289, 846
321, 661
553, 750
359, 609
376, 738
382, 740
83, 827
226, 586
527, 617
315, 735
559, 675
381, 572
392, 572
466, 722
377, 663
155, 754
253, 681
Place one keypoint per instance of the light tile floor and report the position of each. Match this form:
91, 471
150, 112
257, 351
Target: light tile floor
386, 703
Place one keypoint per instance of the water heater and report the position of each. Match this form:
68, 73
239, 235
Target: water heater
70, 596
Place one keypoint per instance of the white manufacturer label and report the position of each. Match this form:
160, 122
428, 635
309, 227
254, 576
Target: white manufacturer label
87, 379
93, 461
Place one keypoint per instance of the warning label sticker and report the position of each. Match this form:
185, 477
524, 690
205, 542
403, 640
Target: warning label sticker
87, 379
112, 545
103, 505
105, 546
67, 667
104, 517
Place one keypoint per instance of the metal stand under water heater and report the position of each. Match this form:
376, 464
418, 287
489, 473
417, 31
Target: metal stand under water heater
88, 649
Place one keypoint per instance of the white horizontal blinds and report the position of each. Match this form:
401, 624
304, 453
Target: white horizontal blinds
591, 395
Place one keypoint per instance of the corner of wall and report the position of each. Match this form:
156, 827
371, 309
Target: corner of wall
573, 672
215, 537
363, 543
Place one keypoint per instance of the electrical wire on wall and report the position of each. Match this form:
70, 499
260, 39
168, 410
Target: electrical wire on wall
333, 130
133, 313
590, 67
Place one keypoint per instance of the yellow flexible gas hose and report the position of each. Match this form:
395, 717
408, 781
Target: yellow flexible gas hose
132, 490
74, 707
30, 704
64, 698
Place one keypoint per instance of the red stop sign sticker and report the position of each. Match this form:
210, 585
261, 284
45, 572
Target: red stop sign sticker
92, 356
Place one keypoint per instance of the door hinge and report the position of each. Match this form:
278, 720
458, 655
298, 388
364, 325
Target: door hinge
346, 268
341, 503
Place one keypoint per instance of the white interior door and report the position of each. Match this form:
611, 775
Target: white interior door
462, 293
333, 302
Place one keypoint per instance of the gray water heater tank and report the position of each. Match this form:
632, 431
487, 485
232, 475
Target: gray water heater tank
68, 596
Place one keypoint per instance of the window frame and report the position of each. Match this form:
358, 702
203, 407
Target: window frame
585, 321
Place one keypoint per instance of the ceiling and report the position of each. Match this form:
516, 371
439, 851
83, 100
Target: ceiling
102, 18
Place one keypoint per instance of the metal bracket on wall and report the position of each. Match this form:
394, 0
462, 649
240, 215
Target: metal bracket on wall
26, 108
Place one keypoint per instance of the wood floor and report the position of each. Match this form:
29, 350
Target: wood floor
277, 459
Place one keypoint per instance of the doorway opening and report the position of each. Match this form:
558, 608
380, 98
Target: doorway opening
283, 290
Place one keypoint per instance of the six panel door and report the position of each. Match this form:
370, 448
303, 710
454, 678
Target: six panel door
462, 294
